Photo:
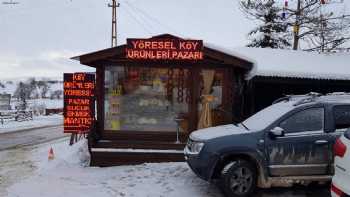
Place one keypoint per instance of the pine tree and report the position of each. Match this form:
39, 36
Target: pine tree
272, 33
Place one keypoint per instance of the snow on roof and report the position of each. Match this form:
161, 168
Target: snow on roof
290, 63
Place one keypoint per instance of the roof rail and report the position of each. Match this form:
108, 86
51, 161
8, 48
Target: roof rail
286, 98
339, 94
303, 96
310, 97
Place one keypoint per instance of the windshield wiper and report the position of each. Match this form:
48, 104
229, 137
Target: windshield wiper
244, 126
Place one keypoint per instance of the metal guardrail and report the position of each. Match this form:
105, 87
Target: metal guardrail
15, 115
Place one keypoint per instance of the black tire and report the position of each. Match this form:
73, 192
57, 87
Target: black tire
238, 179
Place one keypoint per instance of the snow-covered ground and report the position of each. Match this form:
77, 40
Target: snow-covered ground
67, 176
37, 122
47, 103
27, 172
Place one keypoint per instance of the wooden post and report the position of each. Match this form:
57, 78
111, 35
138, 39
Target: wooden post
194, 98
100, 95
228, 93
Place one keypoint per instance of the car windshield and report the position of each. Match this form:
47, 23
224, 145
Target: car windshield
267, 116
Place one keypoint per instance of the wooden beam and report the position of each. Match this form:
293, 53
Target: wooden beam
194, 99
100, 75
86, 59
228, 59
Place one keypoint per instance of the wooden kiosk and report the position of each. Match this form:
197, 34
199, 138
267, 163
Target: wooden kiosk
150, 90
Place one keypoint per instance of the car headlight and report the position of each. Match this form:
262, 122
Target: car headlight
194, 147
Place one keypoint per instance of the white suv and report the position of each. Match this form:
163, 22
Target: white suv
341, 180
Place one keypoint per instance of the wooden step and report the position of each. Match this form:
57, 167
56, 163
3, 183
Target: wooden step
105, 158
132, 144
143, 136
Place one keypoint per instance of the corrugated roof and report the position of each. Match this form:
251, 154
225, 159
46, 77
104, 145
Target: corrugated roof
290, 63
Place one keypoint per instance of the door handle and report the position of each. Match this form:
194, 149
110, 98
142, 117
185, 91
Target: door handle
321, 142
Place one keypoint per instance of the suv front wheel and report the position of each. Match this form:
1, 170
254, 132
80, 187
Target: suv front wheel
238, 179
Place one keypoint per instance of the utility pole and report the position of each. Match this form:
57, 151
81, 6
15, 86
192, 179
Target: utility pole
114, 6
296, 27
323, 26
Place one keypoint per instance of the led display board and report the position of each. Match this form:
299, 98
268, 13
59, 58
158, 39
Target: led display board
79, 102
164, 49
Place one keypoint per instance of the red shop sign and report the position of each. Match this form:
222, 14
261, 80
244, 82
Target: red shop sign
79, 102
164, 49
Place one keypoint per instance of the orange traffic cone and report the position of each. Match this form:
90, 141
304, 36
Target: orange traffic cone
51, 154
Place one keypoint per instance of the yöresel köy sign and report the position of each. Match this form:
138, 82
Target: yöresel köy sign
164, 49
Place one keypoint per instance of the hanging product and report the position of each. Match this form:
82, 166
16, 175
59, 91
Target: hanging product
188, 82
170, 83
180, 85
284, 15
134, 75
295, 28
115, 125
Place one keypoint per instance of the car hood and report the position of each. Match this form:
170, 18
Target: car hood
215, 132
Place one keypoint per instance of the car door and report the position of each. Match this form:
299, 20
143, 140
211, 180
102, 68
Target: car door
304, 148
339, 123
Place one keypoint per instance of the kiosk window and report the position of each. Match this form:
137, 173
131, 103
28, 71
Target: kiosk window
341, 117
145, 99
306, 120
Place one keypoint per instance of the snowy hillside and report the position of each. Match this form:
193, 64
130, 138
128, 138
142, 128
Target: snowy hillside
7, 87
41, 93
10, 86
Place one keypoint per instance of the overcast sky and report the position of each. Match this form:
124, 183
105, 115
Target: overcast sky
37, 38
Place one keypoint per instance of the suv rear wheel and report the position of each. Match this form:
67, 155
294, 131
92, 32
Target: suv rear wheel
238, 179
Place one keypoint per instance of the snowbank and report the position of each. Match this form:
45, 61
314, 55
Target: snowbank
38, 121
65, 156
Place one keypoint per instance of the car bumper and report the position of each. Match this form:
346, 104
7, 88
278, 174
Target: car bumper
334, 194
341, 181
201, 164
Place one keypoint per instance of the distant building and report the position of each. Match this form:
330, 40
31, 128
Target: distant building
5, 101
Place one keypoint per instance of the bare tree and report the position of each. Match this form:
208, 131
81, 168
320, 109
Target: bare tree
314, 25
320, 24
331, 35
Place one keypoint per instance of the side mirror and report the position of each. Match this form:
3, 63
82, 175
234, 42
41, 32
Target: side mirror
276, 132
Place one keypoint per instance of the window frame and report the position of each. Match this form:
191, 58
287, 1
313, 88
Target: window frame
106, 129
305, 132
334, 117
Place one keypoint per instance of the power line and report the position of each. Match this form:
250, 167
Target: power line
137, 21
153, 19
144, 20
